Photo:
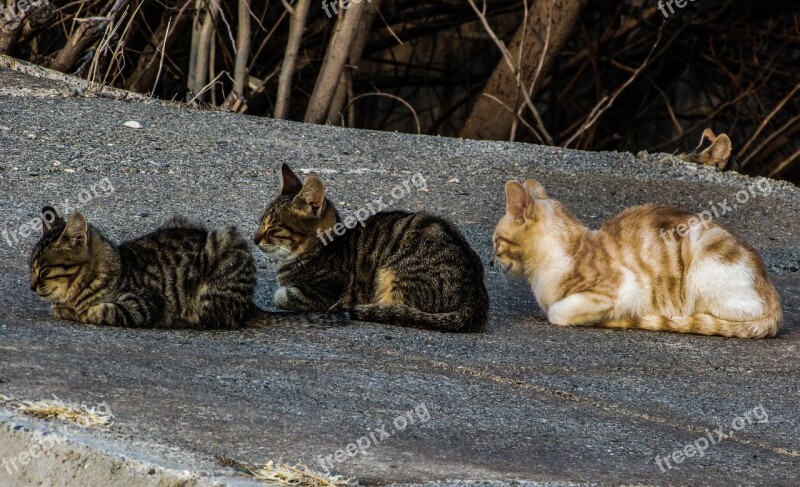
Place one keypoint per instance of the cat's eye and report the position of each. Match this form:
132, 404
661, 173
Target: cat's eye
278, 232
52, 272
46, 272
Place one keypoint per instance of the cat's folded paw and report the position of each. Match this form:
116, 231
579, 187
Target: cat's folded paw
64, 313
559, 316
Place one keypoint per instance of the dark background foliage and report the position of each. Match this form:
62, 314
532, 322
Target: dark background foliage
623, 77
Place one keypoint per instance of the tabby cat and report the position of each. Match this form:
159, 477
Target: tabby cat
179, 276
718, 154
408, 269
635, 272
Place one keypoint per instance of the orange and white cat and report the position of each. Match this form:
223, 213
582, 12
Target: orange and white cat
635, 271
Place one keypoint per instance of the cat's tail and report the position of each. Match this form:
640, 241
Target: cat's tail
258, 318
703, 324
467, 320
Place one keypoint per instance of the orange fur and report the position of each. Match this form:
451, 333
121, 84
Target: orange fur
636, 271
717, 154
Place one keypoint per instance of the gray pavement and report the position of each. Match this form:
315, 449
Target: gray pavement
524, 403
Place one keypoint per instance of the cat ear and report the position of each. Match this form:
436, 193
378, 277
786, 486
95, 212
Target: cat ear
708, 134
720, 151
50, 218
290, 183
518, 202
311, 199
77, 230
535, 190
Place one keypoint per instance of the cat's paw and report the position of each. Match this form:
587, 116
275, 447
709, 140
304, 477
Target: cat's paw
282, 298
559, 315
65, 313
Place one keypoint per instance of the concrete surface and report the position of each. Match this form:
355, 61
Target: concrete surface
524, 403
40, 454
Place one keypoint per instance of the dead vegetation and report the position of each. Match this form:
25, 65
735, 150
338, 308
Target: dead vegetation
81, 414
277, 473
591, 75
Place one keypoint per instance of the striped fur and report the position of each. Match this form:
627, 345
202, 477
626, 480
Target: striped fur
407, 269
636, 271
179, 276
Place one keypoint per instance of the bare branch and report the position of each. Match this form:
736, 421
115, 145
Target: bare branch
297, 25
242, 48
335, 58
605, 103
205, 39
163, 53
769, 117
387, 95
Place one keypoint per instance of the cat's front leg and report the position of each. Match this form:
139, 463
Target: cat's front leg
94, 315
581, 309
65, 313
127, 310
293, 299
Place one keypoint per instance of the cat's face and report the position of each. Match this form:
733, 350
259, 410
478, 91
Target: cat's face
518, 231
295, 221
62, 252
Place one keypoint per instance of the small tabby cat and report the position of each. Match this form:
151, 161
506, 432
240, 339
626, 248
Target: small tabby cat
635, 272
408, 269
179, 276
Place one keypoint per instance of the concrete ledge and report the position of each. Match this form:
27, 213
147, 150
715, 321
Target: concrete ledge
37, 453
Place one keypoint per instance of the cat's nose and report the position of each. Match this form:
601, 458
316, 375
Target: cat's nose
34, 284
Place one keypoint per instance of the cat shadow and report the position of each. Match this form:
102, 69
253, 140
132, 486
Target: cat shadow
511, 297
